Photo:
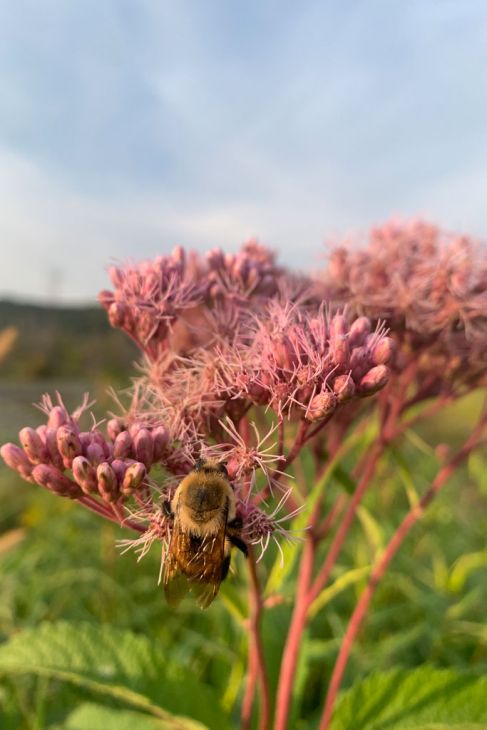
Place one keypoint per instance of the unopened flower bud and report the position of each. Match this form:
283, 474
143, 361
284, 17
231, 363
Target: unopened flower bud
146, 326
374, 380
344, 388
122, 446
58, 416
339, 348
119, 467
54, 456
359, 362
383, 352
54, 480
116, 314
41, 430
85, 475
33, 445
283, 353
359, 329
134, 477
68, 444
107, 482
178, 255
160, 438
321, 406
215, 258
98, 438
114, 427
16, 459
144, 447
105, 297
94, 454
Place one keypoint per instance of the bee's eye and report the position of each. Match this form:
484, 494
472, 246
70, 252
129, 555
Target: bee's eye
222, 467
199, 464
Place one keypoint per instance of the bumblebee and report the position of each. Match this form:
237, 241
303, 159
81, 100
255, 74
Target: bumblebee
205, 527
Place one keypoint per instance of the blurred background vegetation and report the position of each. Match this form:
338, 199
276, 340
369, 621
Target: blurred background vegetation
59, 562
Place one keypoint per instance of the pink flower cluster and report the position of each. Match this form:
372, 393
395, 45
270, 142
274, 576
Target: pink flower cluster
430, 287
149, 297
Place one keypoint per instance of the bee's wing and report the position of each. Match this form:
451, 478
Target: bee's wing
175, 582
204, 593
211, 558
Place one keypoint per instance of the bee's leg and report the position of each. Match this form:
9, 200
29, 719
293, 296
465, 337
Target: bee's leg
166, 508
239, 543
225, 566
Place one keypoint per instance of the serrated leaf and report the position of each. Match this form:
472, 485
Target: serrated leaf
117, 664
425, 697
90, 716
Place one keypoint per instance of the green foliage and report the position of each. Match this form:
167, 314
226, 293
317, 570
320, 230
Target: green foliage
423, 698
118, 665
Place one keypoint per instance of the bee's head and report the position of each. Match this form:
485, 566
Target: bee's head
208, 466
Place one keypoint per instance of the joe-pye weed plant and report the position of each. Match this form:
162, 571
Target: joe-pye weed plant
299, 384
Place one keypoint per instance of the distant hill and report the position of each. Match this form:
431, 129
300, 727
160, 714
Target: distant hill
64, 342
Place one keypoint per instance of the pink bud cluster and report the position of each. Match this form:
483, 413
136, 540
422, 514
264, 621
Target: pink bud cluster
430, 286
306, 365
250, 272
148, 298
71, 463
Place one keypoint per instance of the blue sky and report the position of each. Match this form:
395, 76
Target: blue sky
128, 127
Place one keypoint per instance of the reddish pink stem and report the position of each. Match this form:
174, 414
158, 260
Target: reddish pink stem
104, 511
257, 667
381, 566
291, 649
248, 699
297, 446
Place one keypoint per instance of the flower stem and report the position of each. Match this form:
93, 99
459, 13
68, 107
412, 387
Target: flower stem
257, 667
291, 649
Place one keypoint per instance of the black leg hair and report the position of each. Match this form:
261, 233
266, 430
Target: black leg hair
240, 544
225, 567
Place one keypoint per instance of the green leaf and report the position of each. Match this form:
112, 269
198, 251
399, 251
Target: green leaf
340, 584
464, 566
117, 664
423, 698
343, 477
372, 529
90, 716
406, 476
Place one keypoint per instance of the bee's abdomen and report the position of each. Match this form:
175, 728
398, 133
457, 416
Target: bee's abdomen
199, 557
